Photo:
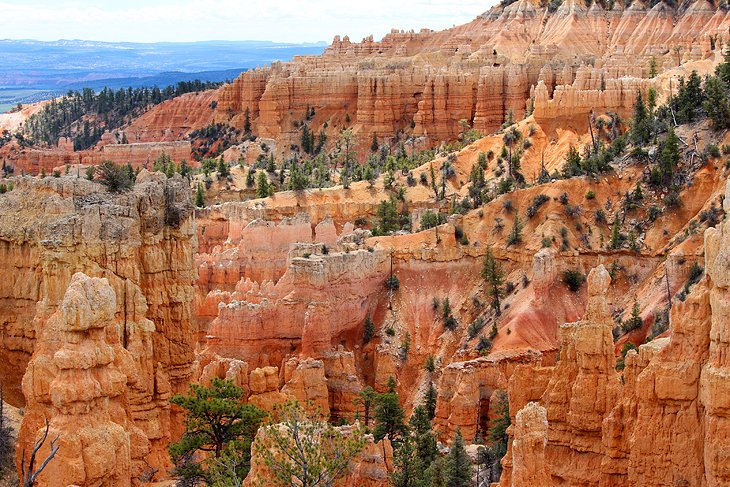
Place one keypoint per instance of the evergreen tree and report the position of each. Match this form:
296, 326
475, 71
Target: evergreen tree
425, 438
389, 415
306, 141
458, 469
430, 401
669, 157
515, 235
407, 470
492, 273
367, 399
616, 233
263, 187
199, 196
689, 98
640, 126
218, 423
222, 168
247, 121
716, 103
374, 144
250, 178
271, 165
723, 69
368, 330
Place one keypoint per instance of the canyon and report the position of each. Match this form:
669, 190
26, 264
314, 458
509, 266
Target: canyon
114, 302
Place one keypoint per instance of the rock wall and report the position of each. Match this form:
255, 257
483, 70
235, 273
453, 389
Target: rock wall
141, 154
478, 72
666, 422
142, 242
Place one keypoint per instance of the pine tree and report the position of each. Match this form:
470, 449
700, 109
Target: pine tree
515, 235
247, 121
199, 196
222, 168
368, 330
374, 144
367, 399
716, 103
217, 421
430, 401
250, 178
263, 188
458, 469
425, 438
669, 157
640, 123
616, 233
723, 69
389, 415
492, 273
407, 470
271, 166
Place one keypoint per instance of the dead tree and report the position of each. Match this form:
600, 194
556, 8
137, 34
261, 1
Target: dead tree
30, 474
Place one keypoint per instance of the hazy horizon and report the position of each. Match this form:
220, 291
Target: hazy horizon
287, 21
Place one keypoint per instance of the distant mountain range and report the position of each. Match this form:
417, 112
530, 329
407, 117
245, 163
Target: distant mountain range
31, 70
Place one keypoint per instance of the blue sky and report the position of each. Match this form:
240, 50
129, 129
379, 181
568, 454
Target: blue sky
195, 20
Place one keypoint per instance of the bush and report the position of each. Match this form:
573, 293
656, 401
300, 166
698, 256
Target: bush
476, 326
573, 211
484, 346
537, 202
115, 177
509, 287
564, 198
450, 323
392, 283
508, 206
672, 200
573, 279
654, 213
712, 151
389, 331
600, 216
590, 195
695, 273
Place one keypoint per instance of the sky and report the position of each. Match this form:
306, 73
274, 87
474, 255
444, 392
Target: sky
198, 20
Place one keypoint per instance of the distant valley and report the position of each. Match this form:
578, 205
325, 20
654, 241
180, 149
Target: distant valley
33, 70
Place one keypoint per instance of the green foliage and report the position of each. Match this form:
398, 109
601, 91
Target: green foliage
663, 173
492, 273
389, 415
515, 235
653, 67
366, 399
199, 196
392, 283
537, 202
574, 279
85, 115
389, 220
430, 364
431, 219
641, 124
218, 423
368, 330
475, 327
458, 468
264, 188
484, 346
634, 322
304, 449
716, 104
114, 176
430, 401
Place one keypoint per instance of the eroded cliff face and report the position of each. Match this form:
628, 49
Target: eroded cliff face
510, 59
666, 424
141, 243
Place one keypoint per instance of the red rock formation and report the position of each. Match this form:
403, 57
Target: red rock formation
81, 379
142, 242
529, 466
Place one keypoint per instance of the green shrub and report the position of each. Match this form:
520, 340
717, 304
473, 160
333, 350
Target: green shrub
573, 279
